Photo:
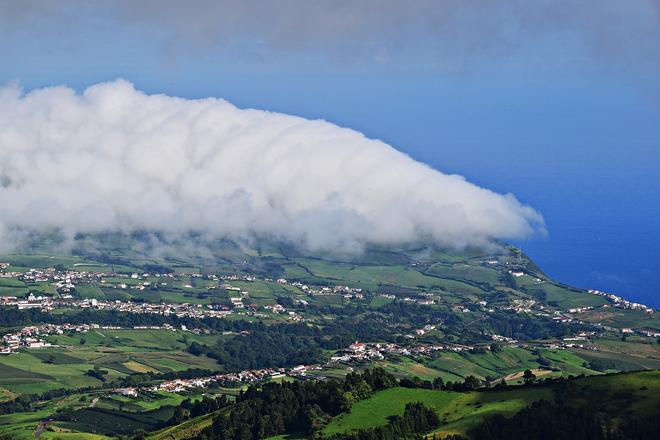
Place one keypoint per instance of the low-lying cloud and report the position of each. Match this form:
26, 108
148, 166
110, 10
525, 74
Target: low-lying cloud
115, 159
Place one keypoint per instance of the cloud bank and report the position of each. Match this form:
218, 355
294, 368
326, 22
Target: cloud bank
451, 35
115, 159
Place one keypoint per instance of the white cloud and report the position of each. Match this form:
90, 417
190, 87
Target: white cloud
116, 159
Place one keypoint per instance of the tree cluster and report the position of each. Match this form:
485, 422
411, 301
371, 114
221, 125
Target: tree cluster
274, 409
416, 419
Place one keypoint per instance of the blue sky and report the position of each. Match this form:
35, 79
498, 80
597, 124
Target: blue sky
558, 103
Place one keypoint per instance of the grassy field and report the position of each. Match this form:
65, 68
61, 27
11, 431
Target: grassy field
94, 415
39, 261
11, 282
406, 367
379, 301
632, 346
451, 366
619, 361
458, 410
558, 295
150, 339
637, 393
23, 425
186, 430
119, 352
622, 318
114, 422
456, 366
25, 373
465, 272
372, 277
377, 409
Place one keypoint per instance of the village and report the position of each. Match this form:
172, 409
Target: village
300, 372
33, 336
239, 301
621, 302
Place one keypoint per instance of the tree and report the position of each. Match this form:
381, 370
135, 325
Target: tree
471, 383
362, 390
347, 401
315, 419
543, 361
438, 383
178, 417
529, 377
97, 373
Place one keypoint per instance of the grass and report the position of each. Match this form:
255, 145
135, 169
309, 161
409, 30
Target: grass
451, 366
456, 366
120, 352
638, 392
620, 394
137, 367
482, 365
105, 420
622, 318
621, 361
379, 301
55, 357
559, 296
90, 291
22, 425
14, 291
113, 422
404, 366
9, 374
649, 349
25, 373
465, 272
186, 430
134, 339
472, 408
376, 410
459, 410
372, 277
333, 300
39, 261
11, 282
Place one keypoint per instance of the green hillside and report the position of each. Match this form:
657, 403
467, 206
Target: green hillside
631, 393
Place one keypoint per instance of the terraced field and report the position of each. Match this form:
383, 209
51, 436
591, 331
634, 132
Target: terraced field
119, 352
451, 366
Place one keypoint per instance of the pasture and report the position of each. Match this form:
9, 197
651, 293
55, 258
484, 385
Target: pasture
459, 411
637, 392
119, 352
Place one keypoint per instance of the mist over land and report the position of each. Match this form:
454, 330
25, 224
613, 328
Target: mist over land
114, 159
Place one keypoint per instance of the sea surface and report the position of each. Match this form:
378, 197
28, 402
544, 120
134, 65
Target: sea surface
610, 243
